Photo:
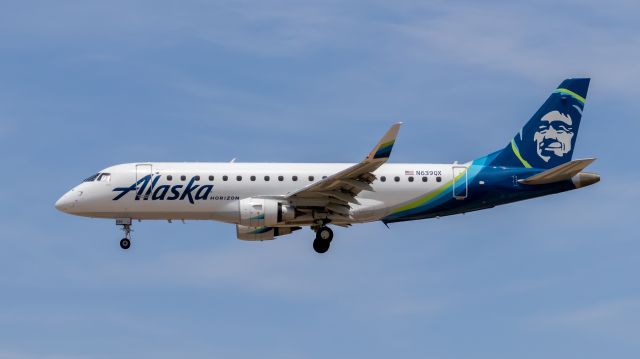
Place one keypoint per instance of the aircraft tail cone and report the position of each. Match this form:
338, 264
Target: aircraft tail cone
584, 179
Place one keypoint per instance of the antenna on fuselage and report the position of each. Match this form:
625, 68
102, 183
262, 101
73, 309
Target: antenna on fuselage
233, 160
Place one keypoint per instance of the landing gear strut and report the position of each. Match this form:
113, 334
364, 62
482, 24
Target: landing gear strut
125, 242
324, 236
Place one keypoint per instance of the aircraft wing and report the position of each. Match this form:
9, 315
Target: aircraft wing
337, 192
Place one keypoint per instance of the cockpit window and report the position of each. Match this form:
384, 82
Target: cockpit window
92, 178
104, 177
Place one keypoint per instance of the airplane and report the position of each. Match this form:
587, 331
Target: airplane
269, 200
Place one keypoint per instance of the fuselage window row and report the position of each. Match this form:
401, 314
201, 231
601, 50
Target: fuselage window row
106, 177
211, 178
410, 179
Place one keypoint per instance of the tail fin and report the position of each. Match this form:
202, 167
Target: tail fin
548, 139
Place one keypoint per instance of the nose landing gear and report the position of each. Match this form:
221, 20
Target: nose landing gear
324, 236
125, 242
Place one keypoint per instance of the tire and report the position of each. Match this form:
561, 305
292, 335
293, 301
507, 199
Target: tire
325, 234
125, 243
321, 246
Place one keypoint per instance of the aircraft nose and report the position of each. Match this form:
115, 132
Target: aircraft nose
67, 201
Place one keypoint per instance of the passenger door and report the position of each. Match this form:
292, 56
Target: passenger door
143, 170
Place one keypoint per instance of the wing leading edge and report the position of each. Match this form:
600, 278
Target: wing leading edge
335, 194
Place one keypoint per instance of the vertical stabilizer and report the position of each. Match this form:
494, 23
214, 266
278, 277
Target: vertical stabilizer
548, 139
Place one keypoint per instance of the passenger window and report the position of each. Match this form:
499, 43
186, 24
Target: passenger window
280, 178
383, 178
197, 178
396, 178
224, 178
323, 177
104, 177
294, 178
310, 178
266, 178
92, 178
238, 178
183, 178
253, 178
410, 178
210, 178
438, 179
169, 177
424, 179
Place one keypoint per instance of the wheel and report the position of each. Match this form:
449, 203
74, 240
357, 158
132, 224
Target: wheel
320, 245
125, 243
324, 236
325, 233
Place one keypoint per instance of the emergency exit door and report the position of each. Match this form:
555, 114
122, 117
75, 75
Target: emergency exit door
460, 187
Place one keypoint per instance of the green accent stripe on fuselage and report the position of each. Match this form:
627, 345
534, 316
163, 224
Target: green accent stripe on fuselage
422, 200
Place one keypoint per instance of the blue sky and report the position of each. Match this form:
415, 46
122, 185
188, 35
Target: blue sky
84, 85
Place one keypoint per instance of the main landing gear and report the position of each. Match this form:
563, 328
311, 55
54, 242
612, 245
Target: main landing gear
324, 236
125, 242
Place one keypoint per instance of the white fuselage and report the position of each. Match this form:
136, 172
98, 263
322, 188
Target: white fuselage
230, 182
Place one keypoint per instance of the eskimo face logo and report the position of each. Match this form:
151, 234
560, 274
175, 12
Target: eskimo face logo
146, 189
554, 135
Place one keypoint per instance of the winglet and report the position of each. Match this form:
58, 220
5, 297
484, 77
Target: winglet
384, 146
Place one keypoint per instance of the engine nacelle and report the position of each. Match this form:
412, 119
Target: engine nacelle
262, 233
260, 212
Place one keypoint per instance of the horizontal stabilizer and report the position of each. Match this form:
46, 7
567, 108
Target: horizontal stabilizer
559, 173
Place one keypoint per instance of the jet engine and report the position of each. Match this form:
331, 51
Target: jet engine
261, 212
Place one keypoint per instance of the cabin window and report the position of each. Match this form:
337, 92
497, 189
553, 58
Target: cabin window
224, 178
294, 178
197, 178
280, 178
323, 177
210, 178
424, 179
383, 178
238, 178
396, 178
410, 178
310, 178
183, 178
104, 177
253, 178
266, 178
92, 178
169, 177
438, 179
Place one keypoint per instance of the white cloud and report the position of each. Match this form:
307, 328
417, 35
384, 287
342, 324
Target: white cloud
4, 354
617, 318
530, 41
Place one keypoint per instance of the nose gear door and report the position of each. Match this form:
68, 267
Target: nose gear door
143, 170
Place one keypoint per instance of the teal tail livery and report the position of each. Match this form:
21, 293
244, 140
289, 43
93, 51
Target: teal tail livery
548, 139
269, 200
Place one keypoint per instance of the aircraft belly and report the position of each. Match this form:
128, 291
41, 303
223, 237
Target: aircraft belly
376, 205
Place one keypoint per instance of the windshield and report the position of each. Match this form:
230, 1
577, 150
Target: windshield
104, 177
92, 178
